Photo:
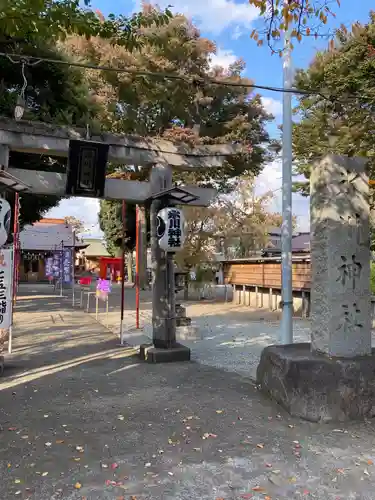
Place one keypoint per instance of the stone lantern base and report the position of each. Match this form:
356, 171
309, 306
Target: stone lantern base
152, 354
316, 387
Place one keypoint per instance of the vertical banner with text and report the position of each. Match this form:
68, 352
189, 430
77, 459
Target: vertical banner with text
6, 287
67, 266
57, 264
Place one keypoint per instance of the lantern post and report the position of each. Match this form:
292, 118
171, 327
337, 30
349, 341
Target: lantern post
167, 237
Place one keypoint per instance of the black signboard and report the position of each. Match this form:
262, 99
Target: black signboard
87, 166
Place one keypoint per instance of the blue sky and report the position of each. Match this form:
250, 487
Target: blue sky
229, 23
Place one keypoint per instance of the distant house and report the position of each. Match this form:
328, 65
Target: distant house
88, 258
300, 243
37, 243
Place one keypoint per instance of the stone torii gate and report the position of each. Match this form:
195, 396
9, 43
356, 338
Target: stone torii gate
163, 156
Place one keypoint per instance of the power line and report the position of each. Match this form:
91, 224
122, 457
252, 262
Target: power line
33, 60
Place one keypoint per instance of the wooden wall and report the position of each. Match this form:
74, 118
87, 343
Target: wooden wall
266, 274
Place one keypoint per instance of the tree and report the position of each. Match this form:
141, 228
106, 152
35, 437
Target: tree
110, 220
301, 17
76, 224
54, 93
51, 20
191, 109
236, 226
339, 114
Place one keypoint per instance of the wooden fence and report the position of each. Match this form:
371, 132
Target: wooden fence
266, 273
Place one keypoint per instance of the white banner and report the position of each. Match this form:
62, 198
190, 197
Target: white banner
6, 287
171, 229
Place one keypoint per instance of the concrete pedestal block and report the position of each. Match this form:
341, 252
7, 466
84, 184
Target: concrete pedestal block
188, 333
183, 321
180, 311
151, 354
316, 387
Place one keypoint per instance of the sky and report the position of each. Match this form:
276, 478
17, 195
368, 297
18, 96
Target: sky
229, 24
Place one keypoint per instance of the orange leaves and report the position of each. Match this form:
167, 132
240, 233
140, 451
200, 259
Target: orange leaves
300, 17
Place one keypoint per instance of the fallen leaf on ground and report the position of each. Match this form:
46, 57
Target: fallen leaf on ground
260, 445
78, 486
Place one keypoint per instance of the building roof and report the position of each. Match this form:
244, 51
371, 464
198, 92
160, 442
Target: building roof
301, 243
49, 221
46, 236
95, 248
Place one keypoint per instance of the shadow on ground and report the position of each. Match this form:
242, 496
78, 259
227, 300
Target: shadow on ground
89, 420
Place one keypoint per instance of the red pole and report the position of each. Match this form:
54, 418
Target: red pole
15, 246
123, 268
137, 267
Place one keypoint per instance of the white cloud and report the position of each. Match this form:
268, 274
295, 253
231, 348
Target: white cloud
237, 33
270, 179
213, 15
223, 58
84, 209
272, 106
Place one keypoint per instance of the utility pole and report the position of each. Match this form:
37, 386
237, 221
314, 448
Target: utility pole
286, 334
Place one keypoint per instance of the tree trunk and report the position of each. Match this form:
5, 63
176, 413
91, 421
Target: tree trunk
129, 262
142, 263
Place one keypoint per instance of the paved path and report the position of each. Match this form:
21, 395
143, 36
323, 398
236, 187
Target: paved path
83, 419
231, 337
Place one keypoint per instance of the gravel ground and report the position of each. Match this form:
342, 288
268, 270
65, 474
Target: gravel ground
83, 419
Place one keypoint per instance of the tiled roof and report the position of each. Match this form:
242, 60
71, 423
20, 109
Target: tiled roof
96, 248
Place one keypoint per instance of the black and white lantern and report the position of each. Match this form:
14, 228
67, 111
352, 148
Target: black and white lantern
5, 216
171, 229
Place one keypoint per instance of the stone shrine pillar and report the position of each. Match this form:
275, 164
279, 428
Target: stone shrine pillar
333, 377
340, 257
